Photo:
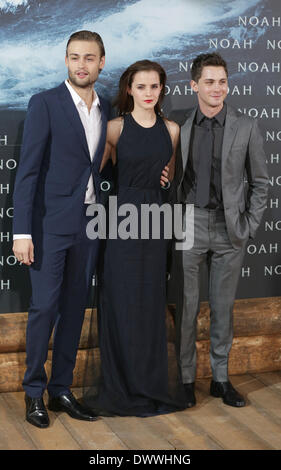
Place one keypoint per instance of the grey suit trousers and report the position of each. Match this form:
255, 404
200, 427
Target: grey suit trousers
211, 246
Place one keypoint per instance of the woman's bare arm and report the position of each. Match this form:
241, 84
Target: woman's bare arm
114, 130
168, 172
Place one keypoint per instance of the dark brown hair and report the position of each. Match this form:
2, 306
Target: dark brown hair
87, 36
204, 60
124, 101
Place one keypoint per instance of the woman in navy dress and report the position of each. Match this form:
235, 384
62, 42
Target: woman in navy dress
137, 376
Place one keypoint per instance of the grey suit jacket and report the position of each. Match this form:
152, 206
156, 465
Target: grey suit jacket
242, 152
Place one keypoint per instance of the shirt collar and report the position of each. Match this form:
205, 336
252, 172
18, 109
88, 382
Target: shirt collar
220, 117
77, 99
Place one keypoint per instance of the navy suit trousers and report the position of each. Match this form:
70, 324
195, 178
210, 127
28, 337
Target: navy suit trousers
60, 277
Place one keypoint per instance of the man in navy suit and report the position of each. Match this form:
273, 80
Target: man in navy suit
58, 177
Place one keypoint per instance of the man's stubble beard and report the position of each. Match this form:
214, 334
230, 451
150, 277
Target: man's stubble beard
88, 84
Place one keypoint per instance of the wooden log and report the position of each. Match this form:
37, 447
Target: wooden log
256, 345
252, 317
12, 368
248, 354
252, 354
12, 332
13, 329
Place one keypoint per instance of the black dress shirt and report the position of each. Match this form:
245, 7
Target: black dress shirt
190, 179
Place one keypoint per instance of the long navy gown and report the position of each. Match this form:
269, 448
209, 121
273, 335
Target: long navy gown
136, 376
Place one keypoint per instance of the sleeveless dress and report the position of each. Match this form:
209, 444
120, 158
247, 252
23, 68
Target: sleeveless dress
135, 377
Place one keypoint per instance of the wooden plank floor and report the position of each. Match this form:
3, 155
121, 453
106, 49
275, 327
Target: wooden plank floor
210, 425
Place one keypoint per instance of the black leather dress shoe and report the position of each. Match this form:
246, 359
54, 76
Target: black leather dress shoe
71, 406
227, 392
36, 412
190, 395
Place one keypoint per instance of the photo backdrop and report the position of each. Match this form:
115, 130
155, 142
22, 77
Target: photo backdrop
246, 33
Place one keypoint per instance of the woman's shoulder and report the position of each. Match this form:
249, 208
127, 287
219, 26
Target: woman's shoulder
171, 123
118, 121
114, 129
172, 126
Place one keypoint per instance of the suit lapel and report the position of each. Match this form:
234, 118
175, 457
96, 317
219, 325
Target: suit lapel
99, 151
230, 129
185, 138
73, 115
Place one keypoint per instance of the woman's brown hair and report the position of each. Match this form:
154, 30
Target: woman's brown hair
124, 101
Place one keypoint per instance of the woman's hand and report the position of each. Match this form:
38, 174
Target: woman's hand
164, 180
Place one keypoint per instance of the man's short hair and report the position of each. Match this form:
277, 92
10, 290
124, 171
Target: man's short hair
204, 60
87, 36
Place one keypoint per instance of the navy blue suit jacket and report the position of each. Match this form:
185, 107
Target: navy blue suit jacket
55, 165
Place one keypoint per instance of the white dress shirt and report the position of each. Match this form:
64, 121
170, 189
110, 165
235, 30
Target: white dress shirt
92, 125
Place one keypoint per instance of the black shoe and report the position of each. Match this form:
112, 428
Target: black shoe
36, 412
190, 395
227, 392
71, 406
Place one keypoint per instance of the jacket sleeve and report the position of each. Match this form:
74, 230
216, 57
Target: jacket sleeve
35, 139
179, 116
257, 176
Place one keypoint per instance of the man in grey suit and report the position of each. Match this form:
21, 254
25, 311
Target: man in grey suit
218, 146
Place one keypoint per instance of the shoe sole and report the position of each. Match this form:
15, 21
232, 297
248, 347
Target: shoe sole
62, 410
236, 405
41, 426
